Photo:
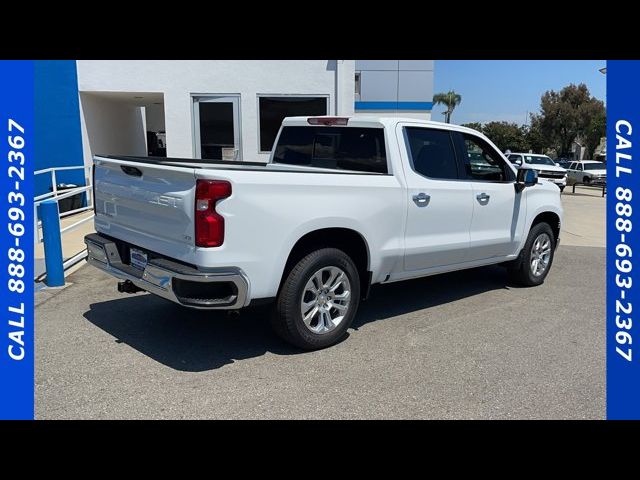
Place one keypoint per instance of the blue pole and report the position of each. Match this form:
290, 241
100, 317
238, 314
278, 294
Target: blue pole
52, 243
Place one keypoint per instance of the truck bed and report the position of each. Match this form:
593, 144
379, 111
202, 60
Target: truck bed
227, 165
149, 203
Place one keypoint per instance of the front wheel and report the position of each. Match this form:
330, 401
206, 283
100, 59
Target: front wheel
534, 262
561, 188
318, 300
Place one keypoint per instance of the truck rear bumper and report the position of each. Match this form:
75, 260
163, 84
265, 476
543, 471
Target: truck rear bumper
219, 288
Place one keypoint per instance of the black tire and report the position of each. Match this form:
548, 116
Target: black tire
562, 189
520, 270
586, 180
287, 318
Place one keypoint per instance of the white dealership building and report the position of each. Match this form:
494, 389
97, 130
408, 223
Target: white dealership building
211, 109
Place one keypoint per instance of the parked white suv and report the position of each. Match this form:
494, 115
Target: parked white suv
343, 204
588, 172
546, 167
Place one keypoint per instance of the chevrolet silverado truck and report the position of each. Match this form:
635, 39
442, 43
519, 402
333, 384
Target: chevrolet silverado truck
547, 168
344, 203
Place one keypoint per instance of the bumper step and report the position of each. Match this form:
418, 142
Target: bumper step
228, 288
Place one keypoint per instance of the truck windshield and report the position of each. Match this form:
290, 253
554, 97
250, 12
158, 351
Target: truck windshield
340, 148
541, 160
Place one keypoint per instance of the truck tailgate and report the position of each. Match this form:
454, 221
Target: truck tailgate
145, 204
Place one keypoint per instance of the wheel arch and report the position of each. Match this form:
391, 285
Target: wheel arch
551, 218
348, 240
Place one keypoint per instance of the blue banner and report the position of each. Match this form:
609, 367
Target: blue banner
623, 248
16, 240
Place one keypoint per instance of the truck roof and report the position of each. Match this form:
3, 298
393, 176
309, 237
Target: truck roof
378, 120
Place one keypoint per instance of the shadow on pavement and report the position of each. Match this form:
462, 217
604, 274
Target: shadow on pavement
183, 339
196, 341
399, 298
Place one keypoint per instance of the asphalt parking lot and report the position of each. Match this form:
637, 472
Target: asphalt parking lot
460, 345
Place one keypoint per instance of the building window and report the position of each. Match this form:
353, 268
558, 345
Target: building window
272, 110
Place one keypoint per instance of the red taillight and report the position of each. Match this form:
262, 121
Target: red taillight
327, 120
210, 224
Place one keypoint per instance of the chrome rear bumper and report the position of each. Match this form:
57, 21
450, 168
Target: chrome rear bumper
170, 280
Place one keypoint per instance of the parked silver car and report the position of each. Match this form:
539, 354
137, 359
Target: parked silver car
587, 172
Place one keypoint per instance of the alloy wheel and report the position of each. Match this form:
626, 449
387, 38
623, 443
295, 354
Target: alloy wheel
325, 299
540, 254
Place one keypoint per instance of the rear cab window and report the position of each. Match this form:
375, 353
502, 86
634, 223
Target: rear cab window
339, 148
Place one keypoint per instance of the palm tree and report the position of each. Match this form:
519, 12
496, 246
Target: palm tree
450, 100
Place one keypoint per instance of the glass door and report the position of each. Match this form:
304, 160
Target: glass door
217, 127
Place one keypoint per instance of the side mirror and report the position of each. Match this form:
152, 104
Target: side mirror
526, 177
557, 164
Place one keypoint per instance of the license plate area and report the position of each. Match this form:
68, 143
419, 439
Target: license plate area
138, 258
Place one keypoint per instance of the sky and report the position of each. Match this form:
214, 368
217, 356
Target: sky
505, 90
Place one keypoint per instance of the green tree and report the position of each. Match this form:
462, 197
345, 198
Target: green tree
450, 100
537, 142
567, 114
506, 136
474, 125
595, 131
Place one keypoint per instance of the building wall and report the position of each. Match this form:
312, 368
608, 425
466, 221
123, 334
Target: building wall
57, 123
112, 128
397, 87
179, 80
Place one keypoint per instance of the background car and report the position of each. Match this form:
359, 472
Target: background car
588, 172
545, 166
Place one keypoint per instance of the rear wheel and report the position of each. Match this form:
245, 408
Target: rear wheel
534, 262
318, 300
586, 180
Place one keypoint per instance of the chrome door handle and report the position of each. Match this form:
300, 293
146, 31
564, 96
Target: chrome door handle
421, 199
483, 197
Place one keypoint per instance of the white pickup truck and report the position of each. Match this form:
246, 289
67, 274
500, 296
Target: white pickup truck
344, 203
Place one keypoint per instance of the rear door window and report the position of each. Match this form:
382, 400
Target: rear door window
339, 148
432, 153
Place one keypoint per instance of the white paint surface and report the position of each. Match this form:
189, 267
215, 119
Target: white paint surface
110, 127
270, 209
